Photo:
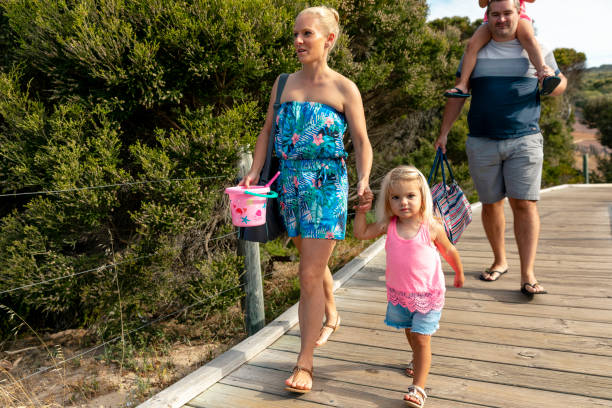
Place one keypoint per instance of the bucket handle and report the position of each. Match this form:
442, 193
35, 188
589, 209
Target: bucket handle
273, 194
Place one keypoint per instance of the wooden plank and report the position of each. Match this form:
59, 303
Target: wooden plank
493, 335
552, 325
574, 362
509, 284
492, 370
594, 304
327, 390
222, 395
380, 365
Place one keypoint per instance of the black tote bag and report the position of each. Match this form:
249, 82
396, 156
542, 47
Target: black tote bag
274, 224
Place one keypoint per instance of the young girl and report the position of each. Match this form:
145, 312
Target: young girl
415, 282
525, 35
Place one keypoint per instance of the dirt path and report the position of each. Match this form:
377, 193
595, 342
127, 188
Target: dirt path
585, 138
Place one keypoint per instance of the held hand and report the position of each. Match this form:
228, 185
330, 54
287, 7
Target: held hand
363, 187
459, 280
365, 202
544, 72
250, 178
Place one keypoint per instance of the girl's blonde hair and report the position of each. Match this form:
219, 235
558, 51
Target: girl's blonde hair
398, 174
329, 19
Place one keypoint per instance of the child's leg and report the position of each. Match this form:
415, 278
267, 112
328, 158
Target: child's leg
421, 344
480, 38
410, 368
422, 358
526, 36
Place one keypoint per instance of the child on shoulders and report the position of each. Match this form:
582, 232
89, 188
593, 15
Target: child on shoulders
525, 35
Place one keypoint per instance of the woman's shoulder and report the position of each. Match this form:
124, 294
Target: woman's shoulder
344, 84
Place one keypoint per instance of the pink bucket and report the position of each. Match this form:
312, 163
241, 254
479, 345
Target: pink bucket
248, 205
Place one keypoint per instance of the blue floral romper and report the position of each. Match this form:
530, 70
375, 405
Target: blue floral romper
313, 185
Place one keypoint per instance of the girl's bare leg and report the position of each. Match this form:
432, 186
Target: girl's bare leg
409, 338
422, 358
526, 36
480, 38
314, 255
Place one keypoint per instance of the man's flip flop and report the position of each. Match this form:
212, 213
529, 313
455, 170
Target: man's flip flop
458, 94
549, 84
527, 293
490, 272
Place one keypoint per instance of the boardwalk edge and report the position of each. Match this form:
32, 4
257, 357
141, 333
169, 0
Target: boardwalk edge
190, 386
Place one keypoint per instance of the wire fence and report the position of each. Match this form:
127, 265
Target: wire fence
98, 269
113, 265
103, 186
43, 370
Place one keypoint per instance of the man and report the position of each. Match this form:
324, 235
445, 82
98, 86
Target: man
505, 146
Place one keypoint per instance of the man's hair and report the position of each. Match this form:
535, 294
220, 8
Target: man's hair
517, 5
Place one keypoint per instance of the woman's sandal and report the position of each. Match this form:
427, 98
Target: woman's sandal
296, 371
416, 392
410, 370
328, 326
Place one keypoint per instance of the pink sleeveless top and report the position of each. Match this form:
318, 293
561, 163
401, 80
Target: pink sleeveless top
522, 14
414, 271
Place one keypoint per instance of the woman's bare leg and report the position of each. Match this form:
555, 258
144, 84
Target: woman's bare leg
314, 255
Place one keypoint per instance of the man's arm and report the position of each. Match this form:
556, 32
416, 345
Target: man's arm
452, 109
561, 87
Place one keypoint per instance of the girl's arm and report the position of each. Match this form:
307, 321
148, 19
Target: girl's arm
361, 228
448, 252
353, 110
261, 146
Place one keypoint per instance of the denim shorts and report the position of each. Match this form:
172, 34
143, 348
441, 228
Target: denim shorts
506, 168
422, 323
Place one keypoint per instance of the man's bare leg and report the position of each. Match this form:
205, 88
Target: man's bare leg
527, 233
494, 223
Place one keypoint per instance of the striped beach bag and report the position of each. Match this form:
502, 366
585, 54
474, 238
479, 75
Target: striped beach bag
449, 202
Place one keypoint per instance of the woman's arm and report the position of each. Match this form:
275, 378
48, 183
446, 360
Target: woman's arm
448, 252
353, 110
261, 146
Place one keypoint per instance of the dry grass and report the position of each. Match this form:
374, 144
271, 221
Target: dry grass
125, 375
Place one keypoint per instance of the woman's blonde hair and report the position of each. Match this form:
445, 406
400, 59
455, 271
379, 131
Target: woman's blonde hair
398, 174
329, 19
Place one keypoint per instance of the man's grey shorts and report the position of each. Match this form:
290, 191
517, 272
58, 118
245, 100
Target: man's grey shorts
506, 167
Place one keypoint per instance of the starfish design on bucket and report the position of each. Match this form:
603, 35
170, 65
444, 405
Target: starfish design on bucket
245, 219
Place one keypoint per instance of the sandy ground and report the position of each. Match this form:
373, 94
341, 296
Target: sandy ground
585, 138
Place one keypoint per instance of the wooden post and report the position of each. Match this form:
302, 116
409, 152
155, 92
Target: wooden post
585, 167
253, 304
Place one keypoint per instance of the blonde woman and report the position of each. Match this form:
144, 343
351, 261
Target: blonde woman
317, 106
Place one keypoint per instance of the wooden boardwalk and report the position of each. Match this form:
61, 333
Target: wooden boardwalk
494, 347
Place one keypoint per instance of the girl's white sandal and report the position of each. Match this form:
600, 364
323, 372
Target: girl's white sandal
418, 393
